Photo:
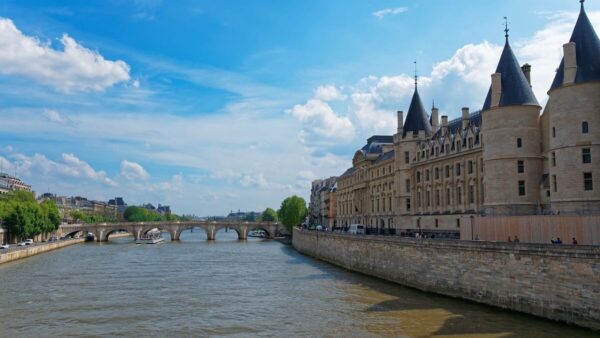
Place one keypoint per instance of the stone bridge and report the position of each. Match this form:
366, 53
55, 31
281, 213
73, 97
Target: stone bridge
101, 231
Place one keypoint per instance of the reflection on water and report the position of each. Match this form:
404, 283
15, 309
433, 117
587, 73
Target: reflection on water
229, 288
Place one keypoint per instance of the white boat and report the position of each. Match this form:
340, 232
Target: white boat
152, 237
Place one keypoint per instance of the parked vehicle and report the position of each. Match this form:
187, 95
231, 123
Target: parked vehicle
4, 246
319, 228
28, 241
21, 244
356, 229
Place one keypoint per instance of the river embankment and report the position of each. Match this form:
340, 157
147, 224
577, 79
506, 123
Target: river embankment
561, 283
17, 253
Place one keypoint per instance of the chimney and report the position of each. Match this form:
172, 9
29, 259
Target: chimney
400, 121
570, 63
444, 124
435, 119
496, 89
465, 117
527, 72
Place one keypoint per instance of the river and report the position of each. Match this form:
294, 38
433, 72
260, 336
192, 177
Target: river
196, 288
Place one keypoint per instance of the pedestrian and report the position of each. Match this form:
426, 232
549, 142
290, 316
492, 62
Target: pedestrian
552, 241
558, 240
575, 241
509, 240
516, 239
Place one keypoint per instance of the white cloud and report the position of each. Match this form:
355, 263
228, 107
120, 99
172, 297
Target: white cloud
133, 171
74, 68
380, 14
55, 117
69, 166
329, 93
323, 120
473, 63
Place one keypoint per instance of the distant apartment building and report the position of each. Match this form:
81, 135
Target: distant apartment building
319, 209
164, 210
11, 183
120, 205
77, 203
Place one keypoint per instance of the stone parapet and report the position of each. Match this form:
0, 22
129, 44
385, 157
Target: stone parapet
29, 251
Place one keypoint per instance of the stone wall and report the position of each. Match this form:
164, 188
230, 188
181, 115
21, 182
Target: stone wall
29, 251
559, 283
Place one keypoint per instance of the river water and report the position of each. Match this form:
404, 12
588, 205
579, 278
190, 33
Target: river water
256, 288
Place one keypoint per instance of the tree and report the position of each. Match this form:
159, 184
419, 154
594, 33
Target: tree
269, 215
292, 212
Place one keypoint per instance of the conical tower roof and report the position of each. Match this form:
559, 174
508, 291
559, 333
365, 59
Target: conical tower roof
516, 90
587, 49
416, 119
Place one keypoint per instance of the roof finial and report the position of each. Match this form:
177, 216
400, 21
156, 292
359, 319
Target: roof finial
506, 30
582, 1
416, 75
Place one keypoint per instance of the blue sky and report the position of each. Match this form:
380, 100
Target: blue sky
211, 106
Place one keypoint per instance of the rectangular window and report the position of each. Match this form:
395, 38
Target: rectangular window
553, 132
585, 128
428, 198
554, 184
588, 182
437, 198
458, 169
407, 182
553, 159
448, 196
427, 175
408, 204
459, 195
437, 173
418, 177
519, 143
406, 157
419, 199
447, 171
470, 167
471, 194
470, 142
520, 167
586, 155
521, 188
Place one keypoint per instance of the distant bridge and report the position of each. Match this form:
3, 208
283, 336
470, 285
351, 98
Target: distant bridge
101, 231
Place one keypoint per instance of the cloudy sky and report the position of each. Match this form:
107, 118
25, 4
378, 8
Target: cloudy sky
212, 106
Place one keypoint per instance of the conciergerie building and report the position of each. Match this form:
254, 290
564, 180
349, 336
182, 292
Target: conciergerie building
509, 158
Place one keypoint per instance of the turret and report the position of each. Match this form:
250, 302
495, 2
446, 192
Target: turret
572, 133
512, 154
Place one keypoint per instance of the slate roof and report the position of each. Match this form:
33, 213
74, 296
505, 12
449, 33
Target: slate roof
456, 124
516, 90
416, 119
348, 172
587, 47
386, 156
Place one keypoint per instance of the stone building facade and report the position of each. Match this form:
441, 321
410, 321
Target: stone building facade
508, 158
322, 195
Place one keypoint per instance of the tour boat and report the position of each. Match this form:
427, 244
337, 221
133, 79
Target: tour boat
152, 237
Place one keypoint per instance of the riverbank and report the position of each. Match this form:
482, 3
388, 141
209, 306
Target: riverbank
28, 251
556, 282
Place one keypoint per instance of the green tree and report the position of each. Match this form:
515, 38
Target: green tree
269, 215
292, 212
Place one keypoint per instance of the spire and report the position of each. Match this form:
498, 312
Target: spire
515, 87
506, 30
416, 75
416, 119
587, 52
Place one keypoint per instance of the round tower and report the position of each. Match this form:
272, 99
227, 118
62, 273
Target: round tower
574, 124
511, 141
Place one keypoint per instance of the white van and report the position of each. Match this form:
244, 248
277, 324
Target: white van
356, 229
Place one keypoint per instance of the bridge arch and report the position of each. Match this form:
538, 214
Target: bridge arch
107, 233
269, 232
173, 232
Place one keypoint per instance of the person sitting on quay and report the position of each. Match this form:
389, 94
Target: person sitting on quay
575, 241
558, 241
